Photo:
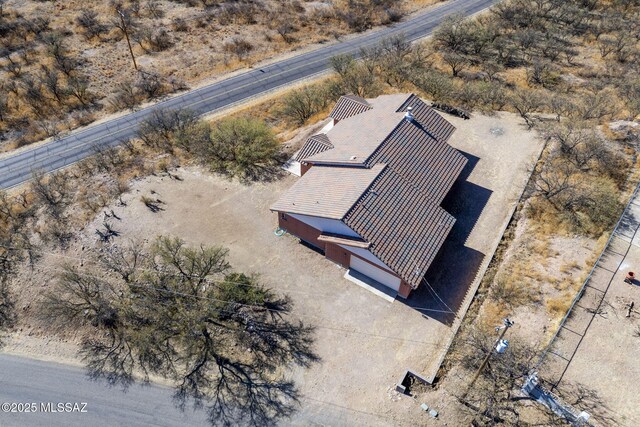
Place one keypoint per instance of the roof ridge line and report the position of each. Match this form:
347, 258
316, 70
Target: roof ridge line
366, 191
417, 120
386, 138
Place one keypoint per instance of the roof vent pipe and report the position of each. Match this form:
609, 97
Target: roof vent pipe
409, 115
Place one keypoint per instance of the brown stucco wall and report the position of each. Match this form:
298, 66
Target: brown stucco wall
335, 253
405, 289
300, 229
304, 167
338, 254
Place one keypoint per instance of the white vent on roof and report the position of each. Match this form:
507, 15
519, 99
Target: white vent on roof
409, 115
353, 157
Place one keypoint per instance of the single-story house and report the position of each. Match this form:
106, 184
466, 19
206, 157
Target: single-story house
371, 188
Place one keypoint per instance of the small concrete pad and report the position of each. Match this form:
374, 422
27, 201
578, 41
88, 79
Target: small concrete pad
618, 245
629, 223
590, 299
600, 278
578, 321
553, 368
565, 343
610, 261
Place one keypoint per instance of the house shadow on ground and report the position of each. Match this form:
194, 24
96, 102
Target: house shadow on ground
455, 267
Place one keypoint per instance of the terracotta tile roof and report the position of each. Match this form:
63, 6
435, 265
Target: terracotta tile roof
314, 145
327, 192
349, 106
431, 121
405, 228
428, 164
356, 138
397, 209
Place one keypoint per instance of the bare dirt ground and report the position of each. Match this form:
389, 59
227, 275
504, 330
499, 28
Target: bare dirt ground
365, 342
548, 270
597, 347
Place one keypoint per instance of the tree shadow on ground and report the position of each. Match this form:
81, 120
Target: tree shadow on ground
455, 267
582, 398
264, 172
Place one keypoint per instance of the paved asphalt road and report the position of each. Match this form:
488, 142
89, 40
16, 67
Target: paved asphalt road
27, 381
18, 168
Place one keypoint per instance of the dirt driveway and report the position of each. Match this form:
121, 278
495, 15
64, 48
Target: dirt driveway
365, 342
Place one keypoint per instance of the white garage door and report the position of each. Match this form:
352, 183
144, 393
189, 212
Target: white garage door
375, 273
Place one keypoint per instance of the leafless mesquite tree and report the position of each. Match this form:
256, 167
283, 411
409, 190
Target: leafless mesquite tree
181, 313
496, 398
16, 223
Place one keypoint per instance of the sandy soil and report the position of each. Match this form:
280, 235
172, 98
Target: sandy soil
552, 268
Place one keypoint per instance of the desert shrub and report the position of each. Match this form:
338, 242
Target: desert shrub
154, 9
149, 84
513, 292
238, 46
125, 96
597, 205
78, 88
300, 104
355, 77
361, 15
586, 148
588, 203
166, 129
53, 192
438, 86
91, 26
630, 92
527, 103
542, 73
180, 25
57, 49
5, 109
559, 306
153, 40
243, 147
285, 28
160, 40
239, 13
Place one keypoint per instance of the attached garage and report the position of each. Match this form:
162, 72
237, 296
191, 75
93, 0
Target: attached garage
375, 273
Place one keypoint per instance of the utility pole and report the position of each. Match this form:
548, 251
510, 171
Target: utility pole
125, 30
506, 325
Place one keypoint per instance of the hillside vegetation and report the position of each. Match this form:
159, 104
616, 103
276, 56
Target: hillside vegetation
65, 63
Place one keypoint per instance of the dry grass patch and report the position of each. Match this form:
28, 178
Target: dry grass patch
558, 307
